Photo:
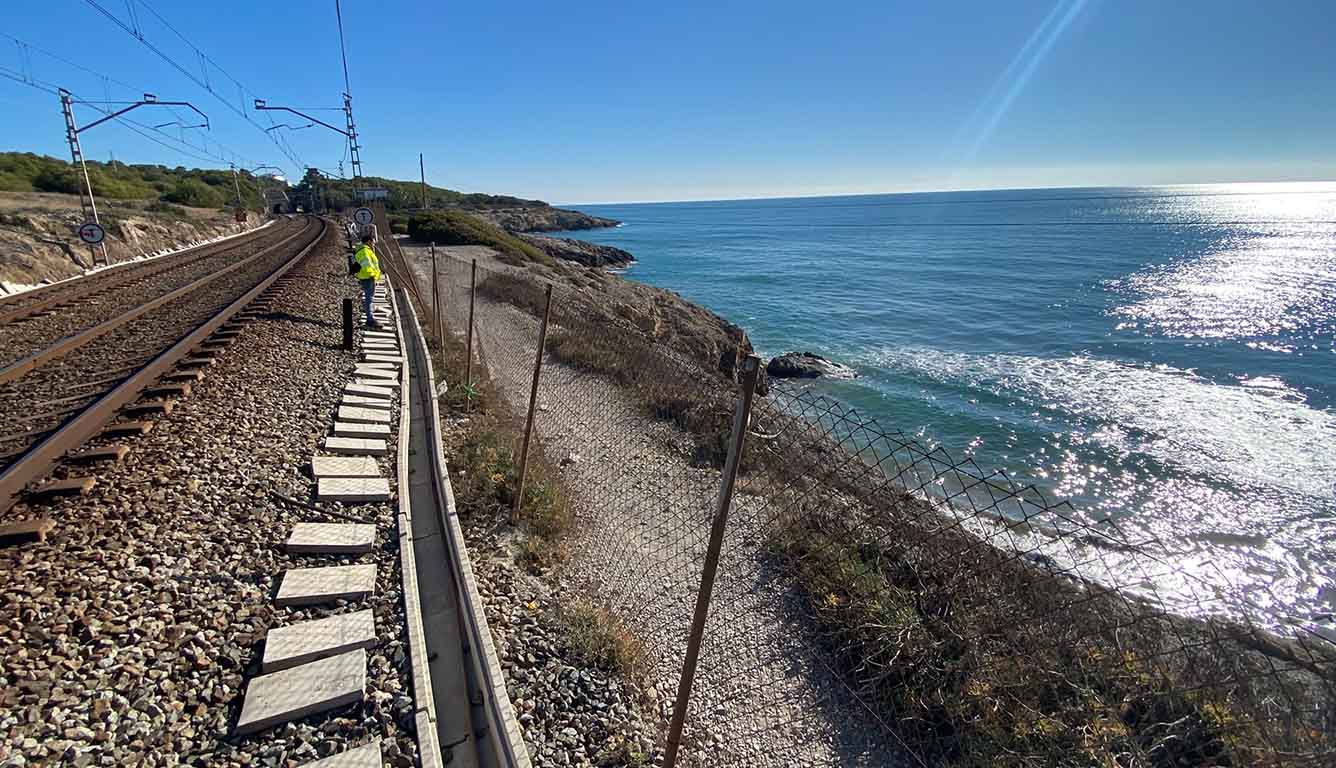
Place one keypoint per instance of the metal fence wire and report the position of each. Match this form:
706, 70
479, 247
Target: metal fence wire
876, 601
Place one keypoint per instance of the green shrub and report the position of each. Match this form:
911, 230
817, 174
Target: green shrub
194, 192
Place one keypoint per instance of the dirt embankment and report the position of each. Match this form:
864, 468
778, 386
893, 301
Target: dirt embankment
38, 242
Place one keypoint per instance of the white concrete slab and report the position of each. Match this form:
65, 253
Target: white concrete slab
382, 393
365, 756
365, 402
353, 490
333, 538
370, 358
386, 335
374, 382
287, 647
362, 415
353, 429
369, 372
312, 586
344, 466
356, 446
295, 693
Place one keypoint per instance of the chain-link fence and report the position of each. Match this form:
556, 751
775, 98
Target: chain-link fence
876, 602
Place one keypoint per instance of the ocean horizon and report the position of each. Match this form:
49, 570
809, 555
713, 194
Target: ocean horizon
1162, 357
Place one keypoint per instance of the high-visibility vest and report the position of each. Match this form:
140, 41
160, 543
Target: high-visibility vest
370, 265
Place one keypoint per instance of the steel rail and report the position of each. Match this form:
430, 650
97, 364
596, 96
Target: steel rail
76, 289
39, 460
70, 343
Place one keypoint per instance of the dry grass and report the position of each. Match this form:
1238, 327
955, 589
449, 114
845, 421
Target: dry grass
600, 639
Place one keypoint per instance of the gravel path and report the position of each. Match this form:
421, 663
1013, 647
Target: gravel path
763, 696
130, 633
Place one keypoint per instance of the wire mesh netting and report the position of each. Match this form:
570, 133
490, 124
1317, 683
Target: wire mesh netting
877, 601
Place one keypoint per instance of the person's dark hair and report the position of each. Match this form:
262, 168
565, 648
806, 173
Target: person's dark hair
368, 238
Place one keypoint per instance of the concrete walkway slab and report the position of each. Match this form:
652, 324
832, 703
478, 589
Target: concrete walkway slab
356, 446
333, 538
383, 393
373, 358
353, 490
387, 335
313, 586
362, 415
344, 466
287, 647
373, 382
295, 693
352, 429
366, 756
358, 401
375, 373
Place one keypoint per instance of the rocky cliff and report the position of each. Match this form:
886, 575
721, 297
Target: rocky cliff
579, 251
542, 218
38, 244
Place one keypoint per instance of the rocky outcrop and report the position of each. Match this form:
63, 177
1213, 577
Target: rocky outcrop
807, 365
542, 218
579, 251
38, 244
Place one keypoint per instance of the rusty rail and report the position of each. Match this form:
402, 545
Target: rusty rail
39, 459
70, 343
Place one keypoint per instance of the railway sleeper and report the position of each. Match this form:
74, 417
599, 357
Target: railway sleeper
123, 428
168, 391
112, 453
70, 486
164, 407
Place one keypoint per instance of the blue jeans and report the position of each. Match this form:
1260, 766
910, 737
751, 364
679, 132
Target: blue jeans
368, 292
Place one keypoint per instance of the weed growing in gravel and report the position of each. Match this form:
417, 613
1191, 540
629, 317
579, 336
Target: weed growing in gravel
625, 754
599, 638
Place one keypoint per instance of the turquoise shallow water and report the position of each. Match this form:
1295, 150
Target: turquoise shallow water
1165, 356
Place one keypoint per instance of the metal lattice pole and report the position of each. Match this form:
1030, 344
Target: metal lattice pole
86, 200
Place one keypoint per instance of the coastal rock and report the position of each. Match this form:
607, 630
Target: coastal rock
807, 365
542, 218
579, 251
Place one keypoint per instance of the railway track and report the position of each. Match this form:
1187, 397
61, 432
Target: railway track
37, 319
106, 381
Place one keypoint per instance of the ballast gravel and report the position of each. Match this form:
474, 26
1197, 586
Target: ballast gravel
128, 637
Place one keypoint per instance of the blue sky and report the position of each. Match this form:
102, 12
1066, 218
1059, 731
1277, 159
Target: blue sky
598, 101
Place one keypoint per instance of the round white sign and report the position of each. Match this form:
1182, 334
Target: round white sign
92, 233
364, 216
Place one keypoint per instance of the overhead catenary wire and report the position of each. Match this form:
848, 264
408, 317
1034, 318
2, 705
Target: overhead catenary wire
142, 129
135, 31
201, 153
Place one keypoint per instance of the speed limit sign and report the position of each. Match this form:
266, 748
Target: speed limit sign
92, 233
364, 216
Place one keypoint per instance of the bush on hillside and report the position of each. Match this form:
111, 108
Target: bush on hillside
459, 228
195, 192
27, 172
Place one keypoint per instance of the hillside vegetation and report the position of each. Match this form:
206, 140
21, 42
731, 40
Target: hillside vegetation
27, 172
404, 195
455, 227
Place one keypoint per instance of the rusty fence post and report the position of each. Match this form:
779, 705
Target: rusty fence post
533, 404
468, 344
435, 300
750, 366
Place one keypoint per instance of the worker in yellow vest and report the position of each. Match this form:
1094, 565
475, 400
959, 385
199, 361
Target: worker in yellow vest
368, 273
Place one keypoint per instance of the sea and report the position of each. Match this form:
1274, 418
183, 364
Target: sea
1162, 357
